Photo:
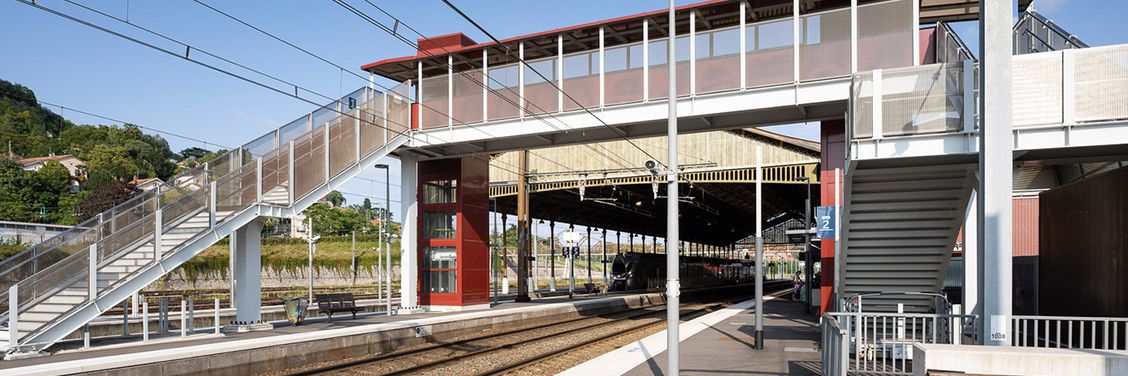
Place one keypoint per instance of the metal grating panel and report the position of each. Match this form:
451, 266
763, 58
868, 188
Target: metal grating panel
926, 99
1036, 89
1101, 83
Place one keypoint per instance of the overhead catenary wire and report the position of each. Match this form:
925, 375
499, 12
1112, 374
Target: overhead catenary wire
438, 61
198, 62
542, 76
63, 108
327, 61
484, 85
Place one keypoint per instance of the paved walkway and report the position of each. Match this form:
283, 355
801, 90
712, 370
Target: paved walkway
725, 346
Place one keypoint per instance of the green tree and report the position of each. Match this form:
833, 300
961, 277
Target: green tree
335, 198
328, 220
194, 153
105, 197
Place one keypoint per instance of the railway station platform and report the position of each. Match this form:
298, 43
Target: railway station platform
722, 343
315, 340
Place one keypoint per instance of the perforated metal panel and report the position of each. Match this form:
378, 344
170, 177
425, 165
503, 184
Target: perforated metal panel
885, 35
925, 99
1101, 83
1036, 89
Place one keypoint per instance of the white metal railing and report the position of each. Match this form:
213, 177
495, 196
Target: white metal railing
1065, 88
882, 343
927, 99
1070, 332
835, 347
780, 51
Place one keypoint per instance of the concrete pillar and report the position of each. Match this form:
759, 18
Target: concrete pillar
971, 254
246, 245
409, 231
995, 165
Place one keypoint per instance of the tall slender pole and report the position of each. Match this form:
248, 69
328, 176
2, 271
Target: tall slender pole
387, 226
379, 248
673, 288
522, 229
808, 258
759, 251
604, 261
309, 234
494, 258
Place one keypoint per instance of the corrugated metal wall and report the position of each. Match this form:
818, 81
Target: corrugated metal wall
1025, 225
1083, 263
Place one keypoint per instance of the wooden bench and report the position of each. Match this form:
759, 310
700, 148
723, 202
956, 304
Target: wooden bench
336, 303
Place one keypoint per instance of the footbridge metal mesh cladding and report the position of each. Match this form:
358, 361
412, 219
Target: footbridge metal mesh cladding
43, 288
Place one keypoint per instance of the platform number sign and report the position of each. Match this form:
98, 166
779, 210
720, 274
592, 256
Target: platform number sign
824, 217
352, 103
570, 242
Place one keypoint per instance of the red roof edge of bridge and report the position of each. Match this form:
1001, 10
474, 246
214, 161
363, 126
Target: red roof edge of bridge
471, 47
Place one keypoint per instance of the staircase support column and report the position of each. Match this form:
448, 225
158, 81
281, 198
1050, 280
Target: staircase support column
246, 244
409, 263
995, 163
971, 254
524, 243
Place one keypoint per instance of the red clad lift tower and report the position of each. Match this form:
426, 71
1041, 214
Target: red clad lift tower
453, 237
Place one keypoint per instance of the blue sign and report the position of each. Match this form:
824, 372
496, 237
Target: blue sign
824, 222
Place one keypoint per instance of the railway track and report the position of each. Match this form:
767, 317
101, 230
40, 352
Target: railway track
538, 349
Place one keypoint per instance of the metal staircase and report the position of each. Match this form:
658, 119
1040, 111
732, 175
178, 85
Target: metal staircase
901, 227
54, 288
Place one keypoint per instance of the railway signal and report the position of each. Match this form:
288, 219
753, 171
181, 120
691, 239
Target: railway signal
570, 248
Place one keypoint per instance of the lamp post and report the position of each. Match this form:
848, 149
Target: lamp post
385, 229
808, 259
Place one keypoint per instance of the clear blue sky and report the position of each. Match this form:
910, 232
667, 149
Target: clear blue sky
75, 66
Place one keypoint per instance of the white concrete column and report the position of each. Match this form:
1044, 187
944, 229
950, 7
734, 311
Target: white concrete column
995, 164
246, 245
409, 228
970, 304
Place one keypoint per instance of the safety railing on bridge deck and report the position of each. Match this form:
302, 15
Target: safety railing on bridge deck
927, 99
1067, 88
1070, 332
802, 47
303, 153
882, 343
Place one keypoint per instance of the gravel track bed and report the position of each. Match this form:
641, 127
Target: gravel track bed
559, 362
424, 353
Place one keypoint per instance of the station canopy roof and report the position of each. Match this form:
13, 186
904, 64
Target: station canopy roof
711, 14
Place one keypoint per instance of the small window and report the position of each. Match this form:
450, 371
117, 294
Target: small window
616, 59
442, 281
440, 192
442, 257
658, 52
503, 77
441, 225
441, 270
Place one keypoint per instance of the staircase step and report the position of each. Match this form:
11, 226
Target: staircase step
898, 243
908, 185
930, 195
946, 215
857, 234
903, 206
51, 308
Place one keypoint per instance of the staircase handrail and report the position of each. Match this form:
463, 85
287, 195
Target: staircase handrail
245, 196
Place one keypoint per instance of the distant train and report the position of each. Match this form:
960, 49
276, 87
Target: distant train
647, 271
